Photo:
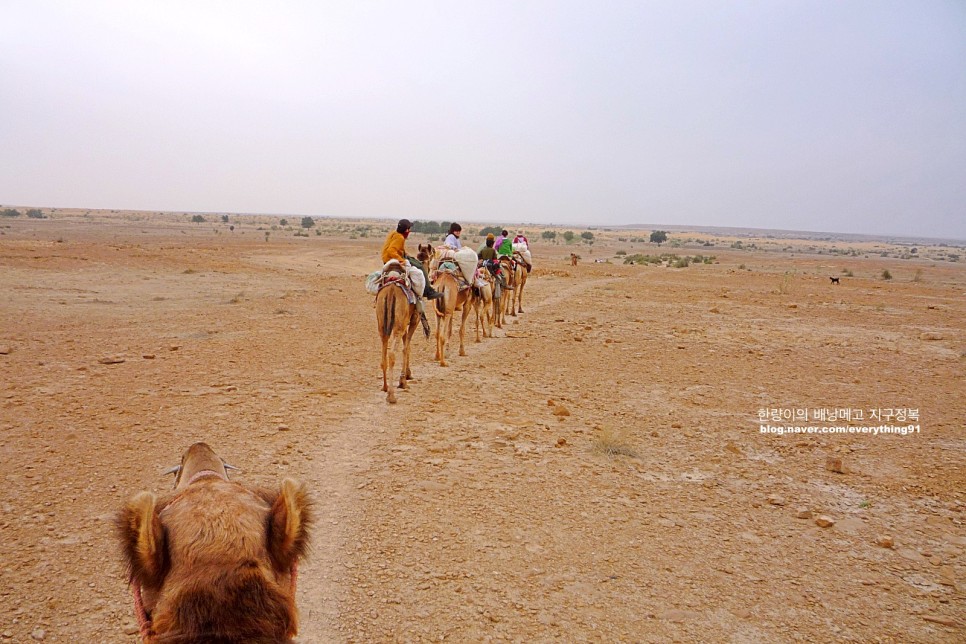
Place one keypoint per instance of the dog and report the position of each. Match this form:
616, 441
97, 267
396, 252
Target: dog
835, 280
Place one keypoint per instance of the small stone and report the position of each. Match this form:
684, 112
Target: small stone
947, 576
111, 360
560, 410
7, 635
885, 541
929, 337
675, 425
174, 347
148, 356
824, 521
834, 464
561, 442
4, 350
282, 428
131, 629
939, 619
774, 499
38, 634
803, 513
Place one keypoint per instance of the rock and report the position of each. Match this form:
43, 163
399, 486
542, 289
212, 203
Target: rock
679, 616
38, 634
774, 499
131, 629
947, 576
560, 410
834, 464
111, 360
803, 513
940, 619
561, 442
4, 350
282, 428
929, 337
824, 521
148, 356
884, 541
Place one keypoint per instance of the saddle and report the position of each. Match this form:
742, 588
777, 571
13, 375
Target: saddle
449, 266
392, 274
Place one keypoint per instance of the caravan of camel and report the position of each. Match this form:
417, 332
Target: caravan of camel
468, 285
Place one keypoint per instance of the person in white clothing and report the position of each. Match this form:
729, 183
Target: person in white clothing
453, 236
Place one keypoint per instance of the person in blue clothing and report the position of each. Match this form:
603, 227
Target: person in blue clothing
453, 236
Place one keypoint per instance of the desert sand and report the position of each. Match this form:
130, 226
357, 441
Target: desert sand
595, 472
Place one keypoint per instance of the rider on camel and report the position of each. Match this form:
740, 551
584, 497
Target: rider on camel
395, 248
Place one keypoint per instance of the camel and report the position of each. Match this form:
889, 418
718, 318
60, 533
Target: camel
483, 305
214, 560
520, 276
396, 320
453, 300
507, 267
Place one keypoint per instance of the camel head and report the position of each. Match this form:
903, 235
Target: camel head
215, 560
200, 460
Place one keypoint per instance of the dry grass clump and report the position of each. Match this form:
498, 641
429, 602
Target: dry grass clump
614, 442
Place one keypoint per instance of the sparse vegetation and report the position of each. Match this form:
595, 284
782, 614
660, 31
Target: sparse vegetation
10, 212
918, 276
613, 442
569, 236
658, 237
886, 275
198, 219
307, 222
785, 283
549, 234
34, 213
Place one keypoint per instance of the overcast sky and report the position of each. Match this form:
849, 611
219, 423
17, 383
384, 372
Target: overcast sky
842, 116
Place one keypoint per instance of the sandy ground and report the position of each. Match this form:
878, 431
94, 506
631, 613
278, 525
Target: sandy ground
475, 509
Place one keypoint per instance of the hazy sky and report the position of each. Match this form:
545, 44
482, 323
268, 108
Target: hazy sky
845, 116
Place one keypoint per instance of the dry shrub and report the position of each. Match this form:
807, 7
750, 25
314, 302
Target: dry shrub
614, 442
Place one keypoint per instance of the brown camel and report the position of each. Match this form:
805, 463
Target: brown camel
396, 320
453, 300
520, 276
483, 305
214, 560
506, 297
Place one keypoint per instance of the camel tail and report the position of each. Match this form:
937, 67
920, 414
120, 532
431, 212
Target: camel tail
389, 316
440, 303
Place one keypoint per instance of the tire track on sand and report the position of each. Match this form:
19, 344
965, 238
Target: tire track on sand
357, 448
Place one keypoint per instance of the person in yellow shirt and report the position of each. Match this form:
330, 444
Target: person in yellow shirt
395, 248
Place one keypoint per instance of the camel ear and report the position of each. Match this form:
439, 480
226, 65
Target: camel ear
288, 525
143, 540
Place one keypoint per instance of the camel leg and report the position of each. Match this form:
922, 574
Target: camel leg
466, 312
408, 346
441, 337
391, 362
